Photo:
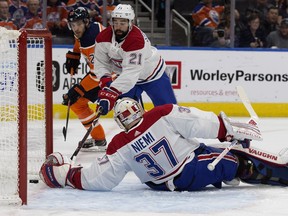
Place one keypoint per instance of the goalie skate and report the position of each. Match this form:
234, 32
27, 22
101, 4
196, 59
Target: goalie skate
92, 145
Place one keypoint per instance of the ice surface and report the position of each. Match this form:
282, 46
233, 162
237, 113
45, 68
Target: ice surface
133, 198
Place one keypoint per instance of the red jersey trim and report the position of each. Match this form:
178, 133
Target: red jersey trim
134, 40
105, 35
149, 118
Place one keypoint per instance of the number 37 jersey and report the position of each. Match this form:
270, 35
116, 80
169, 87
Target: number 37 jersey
155, 150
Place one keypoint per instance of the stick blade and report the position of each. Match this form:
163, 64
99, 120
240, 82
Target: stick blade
64, 131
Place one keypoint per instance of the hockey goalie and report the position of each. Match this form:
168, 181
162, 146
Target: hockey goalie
161, 147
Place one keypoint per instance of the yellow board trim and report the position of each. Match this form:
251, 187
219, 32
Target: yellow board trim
231, 109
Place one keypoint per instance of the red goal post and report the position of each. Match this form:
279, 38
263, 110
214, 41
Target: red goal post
26, 119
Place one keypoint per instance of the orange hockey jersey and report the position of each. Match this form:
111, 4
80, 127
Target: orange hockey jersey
8, 24
206, 16
86, 44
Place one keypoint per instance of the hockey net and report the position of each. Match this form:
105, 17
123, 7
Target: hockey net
25, 109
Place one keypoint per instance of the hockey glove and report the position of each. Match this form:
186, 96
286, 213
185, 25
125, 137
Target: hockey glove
243, 132
73, 94
56, 171
72, 62
107, 98
105, 81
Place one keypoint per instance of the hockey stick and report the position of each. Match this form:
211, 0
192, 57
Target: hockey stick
65, 128
141, 102
246, 102
211, 166
81, 143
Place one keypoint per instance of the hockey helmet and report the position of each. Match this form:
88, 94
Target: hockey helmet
127, 113
124, 11
79, 13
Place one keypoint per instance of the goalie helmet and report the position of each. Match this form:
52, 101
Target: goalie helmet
127, 113
124, 11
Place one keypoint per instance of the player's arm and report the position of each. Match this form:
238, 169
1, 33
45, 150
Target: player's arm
131, 69
102, 64
73, 59
132, 66
108, 173
102, 174
194, 123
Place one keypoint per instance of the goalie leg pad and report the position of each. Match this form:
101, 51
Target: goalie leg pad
261, 171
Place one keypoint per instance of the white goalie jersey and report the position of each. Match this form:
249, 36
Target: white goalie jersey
155, 150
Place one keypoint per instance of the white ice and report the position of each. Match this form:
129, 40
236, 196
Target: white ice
133, 198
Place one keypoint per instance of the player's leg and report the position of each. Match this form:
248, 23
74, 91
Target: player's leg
86, 116
196, 176
134, 93
257, 166
160, 91
259, 170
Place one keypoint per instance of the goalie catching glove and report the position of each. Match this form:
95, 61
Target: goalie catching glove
243, 132
73, 94
72, 62
56, 172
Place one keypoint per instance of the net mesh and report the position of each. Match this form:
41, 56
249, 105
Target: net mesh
9, 119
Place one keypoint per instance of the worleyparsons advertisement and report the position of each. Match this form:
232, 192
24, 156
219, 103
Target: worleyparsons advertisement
205, 76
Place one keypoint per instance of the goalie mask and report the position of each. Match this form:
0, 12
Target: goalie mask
127, 113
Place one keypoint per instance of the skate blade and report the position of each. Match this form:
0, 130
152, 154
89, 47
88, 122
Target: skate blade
93, 149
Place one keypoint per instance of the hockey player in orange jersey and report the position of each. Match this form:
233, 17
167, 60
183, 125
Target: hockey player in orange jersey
80, 94
206, 18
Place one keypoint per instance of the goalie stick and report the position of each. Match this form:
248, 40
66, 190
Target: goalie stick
81, 143
246, 102
211, 166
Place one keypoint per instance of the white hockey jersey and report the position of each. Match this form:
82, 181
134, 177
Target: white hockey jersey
155, 150
134, 60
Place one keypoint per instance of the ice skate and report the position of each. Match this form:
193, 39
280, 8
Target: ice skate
94, 145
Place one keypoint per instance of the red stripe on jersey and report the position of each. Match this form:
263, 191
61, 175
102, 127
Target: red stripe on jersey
105, 35
204, 157
152, 74
175, 171
149, 118
134, 40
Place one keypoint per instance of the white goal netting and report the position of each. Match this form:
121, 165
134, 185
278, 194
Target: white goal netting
11, 66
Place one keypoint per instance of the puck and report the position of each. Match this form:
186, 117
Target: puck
34, 181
